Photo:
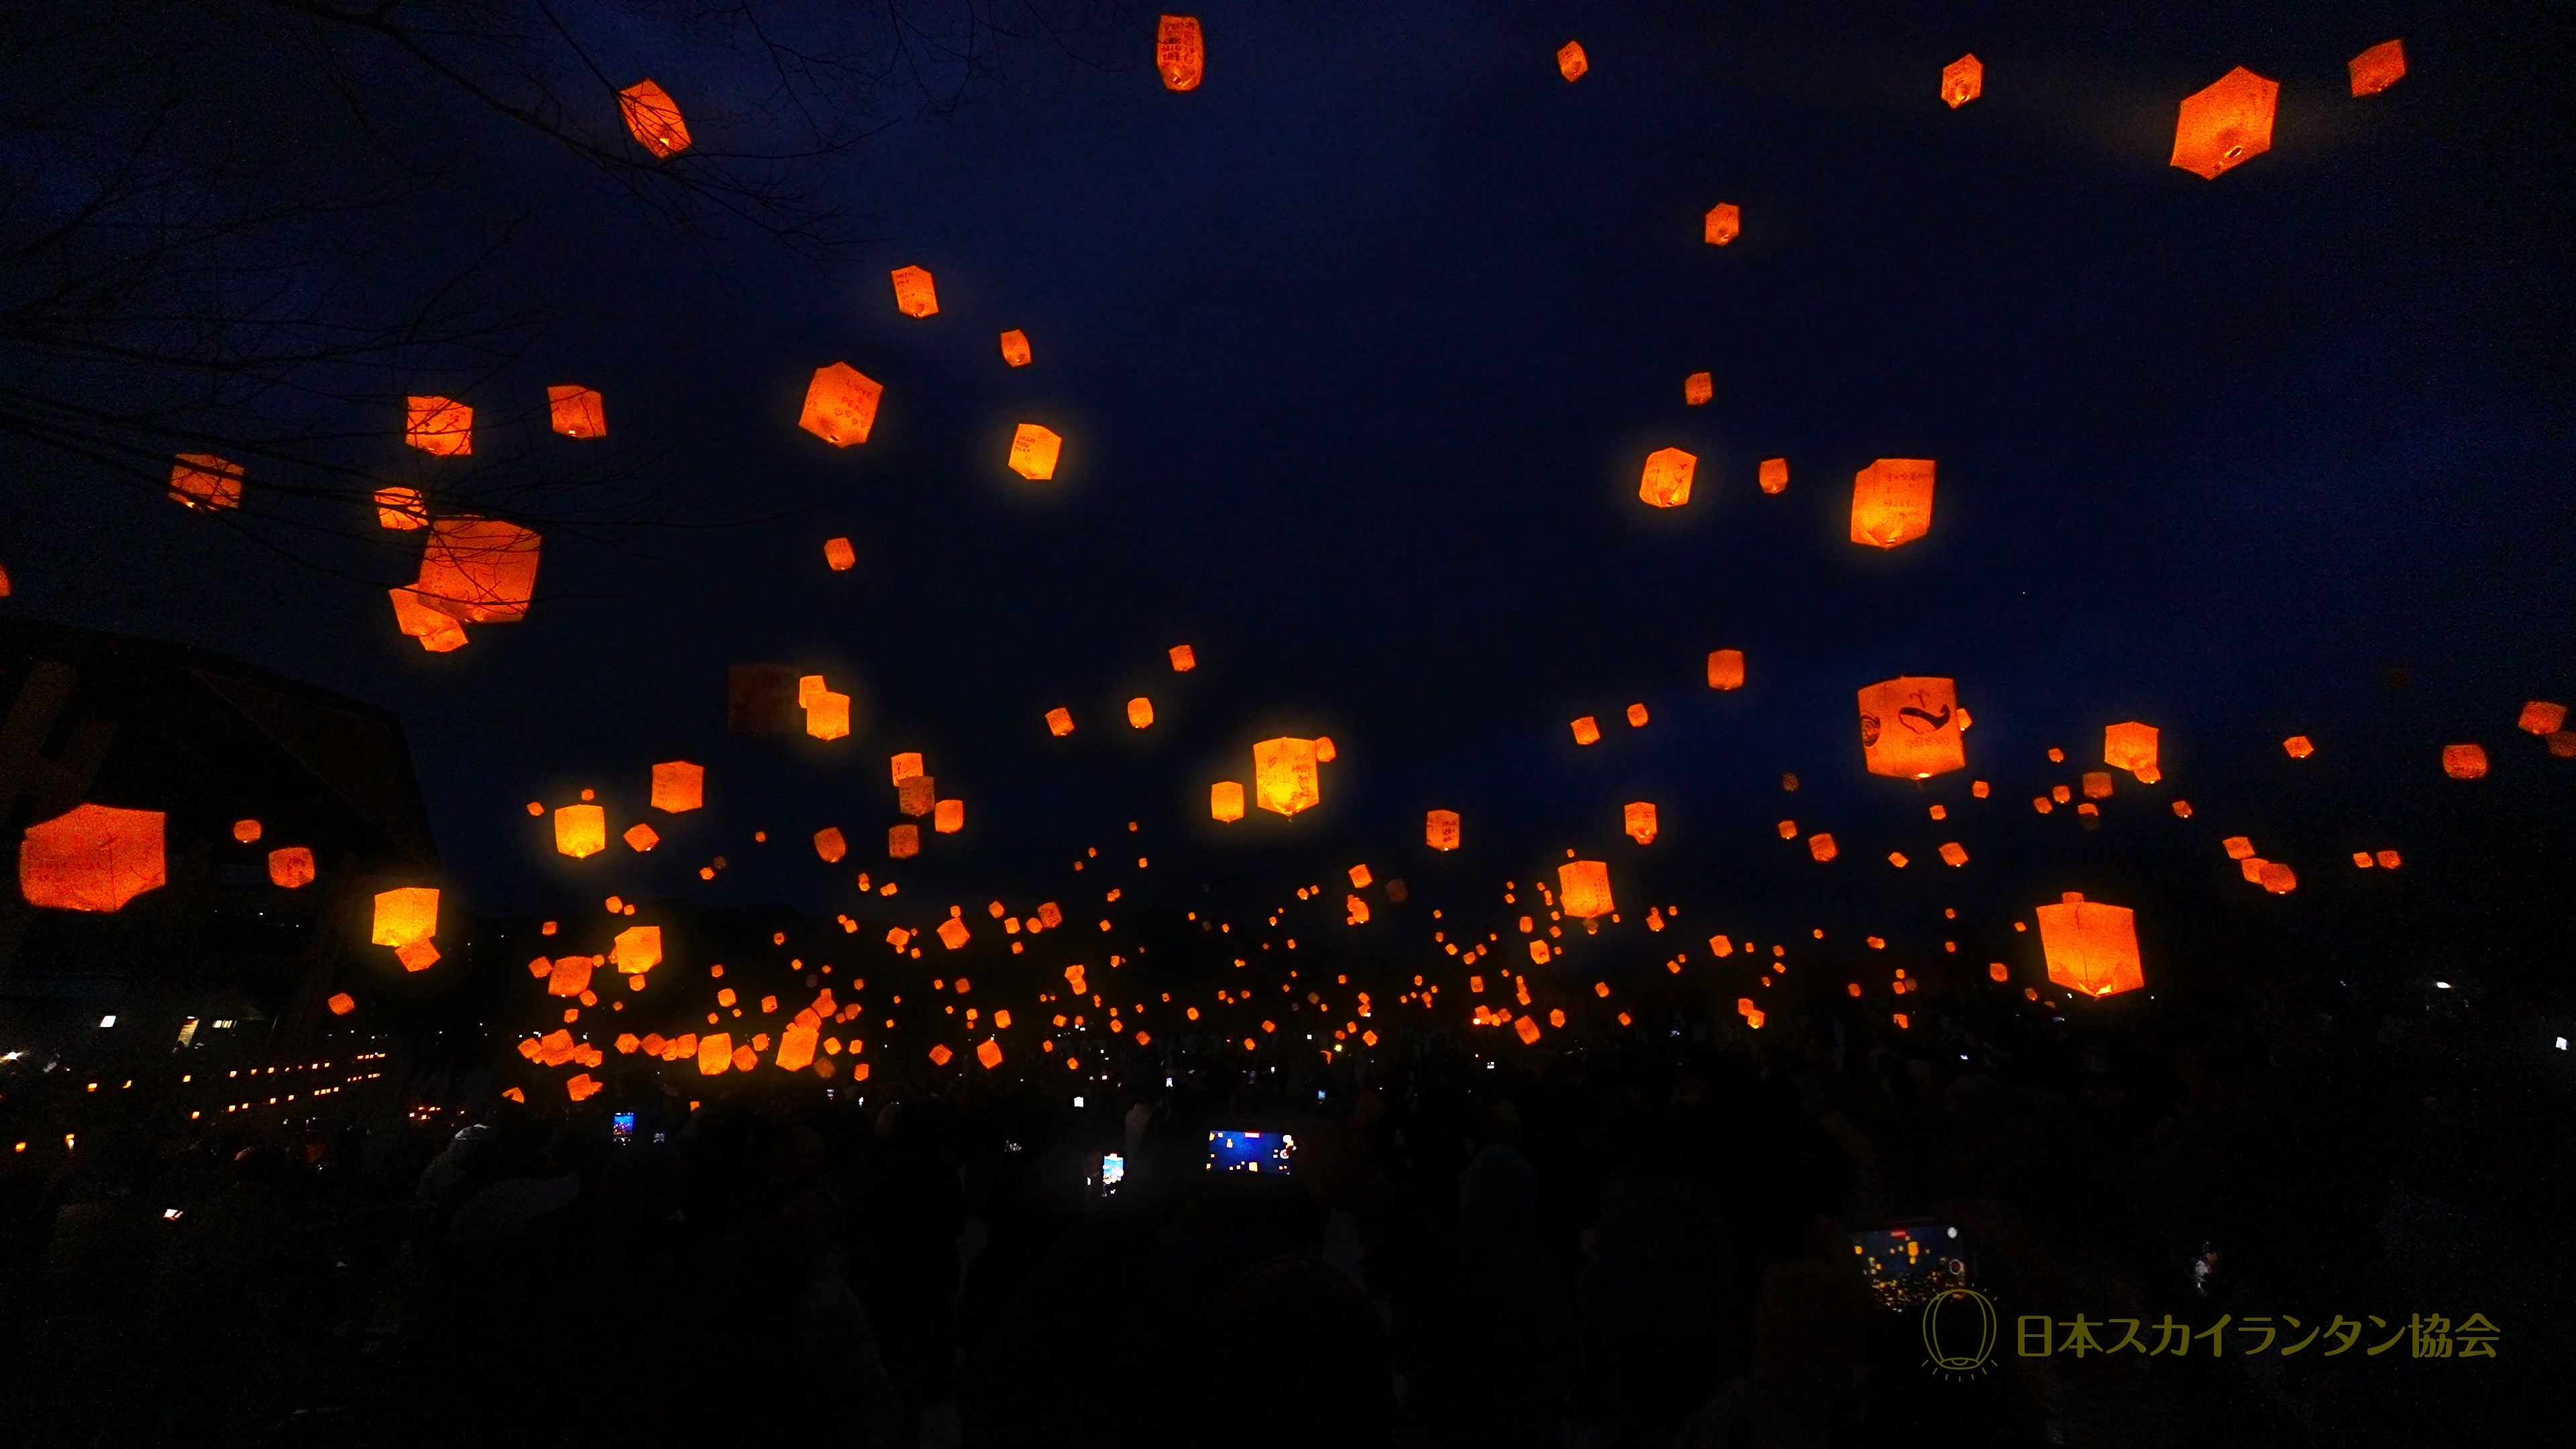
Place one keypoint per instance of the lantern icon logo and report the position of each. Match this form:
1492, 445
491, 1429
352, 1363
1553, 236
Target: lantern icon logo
1963, 1350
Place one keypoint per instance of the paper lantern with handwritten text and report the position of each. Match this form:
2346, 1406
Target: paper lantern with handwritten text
1910, 727
1639, 821
1666, 480
1034, 451
1180, 52
915, 295
679, 786
1285, 776
1583, 889
92, 858
840, 405
1440, 829
1892, 502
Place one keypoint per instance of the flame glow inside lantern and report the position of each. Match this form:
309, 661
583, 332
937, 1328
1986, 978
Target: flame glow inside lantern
1015, 348
2299, 747
1723, 224
1909, 727
840, 405
1059, 721
202, 480
2091, 947
1892, 502
915, 295
2225, 125
2540, 717
437, 632
1726, 669
903, 842
636, 950
92, 858
2131, 746
1698, 388
1225, 800
1639, 819
2464, 762
405, 916
1440, 829
1140, 712
653, 119
1583, 888
480, 570
640, 837
1666, 480
1180, 52
2378, 68
577, 412
1034, 451
948, 816
441, 427
1571, 62
1962, 81
1774, 475
829, 845
1954, 854
678, 786
580, 830
290, 866
839, 556
1285, 779
401, 508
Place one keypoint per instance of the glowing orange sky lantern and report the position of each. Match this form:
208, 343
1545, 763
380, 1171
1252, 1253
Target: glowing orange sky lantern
2299, 747
915, 295
1225, 801
570, 975
290, 866
2225, 125
405, 916
1440, 829
2378, 68
1059, 721
401, 508
840, 405
829, 845
1726, 669
653, 119
1180, 52
480, 570
1963, 80
580, 830
439, 426
1910, 726
917, 796
827, 713
1666, 480
1184, 659
1034, 451
92, 858
1697, 389
1892, 502
1571, 62
1583, 888
202, 480
1723, 224
2132, 747
902, 767
1285, 777
1774, 475
2464, 762
438, 633
577, 412
1587, 731
1639, 821
1140, 712
2091, 947
678, 786
2540, 717
1015, 348
640, 837
947, 817
903, 842
342, 1003
636, 950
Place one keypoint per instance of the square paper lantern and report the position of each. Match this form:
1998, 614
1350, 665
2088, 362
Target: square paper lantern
636, 950
2464, 762
2378, 68
577, 412
1059, 721
1637, 715
1180, 52
1571, 62
2226, 125
953, 934
1726, 669
1284, 775
1440, 829
438, 633
1140, 712
1892, 501
653, 119
1910, 727
903, 842
828, 716
1587, 731
2132, 747
405, 916
1698, 388
1185, 659
580, 830
1723, 224
2299, 747
760, 699
1962, 81
1774, 475
1954, 854
990, 1053
2092, 948
640, 837
1639, 821
202, 480
569, 975
480, 570
1034, 451
1015, 348
906, 766
418, 956
342, 1003
291, 867
679, 785
1225, 801
1821, 845
441, 427
829, 845
948, 816
2540, 717
92, 858
917, 796
840, 405
401, 508
1583, 888
1666, 481
914, 293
